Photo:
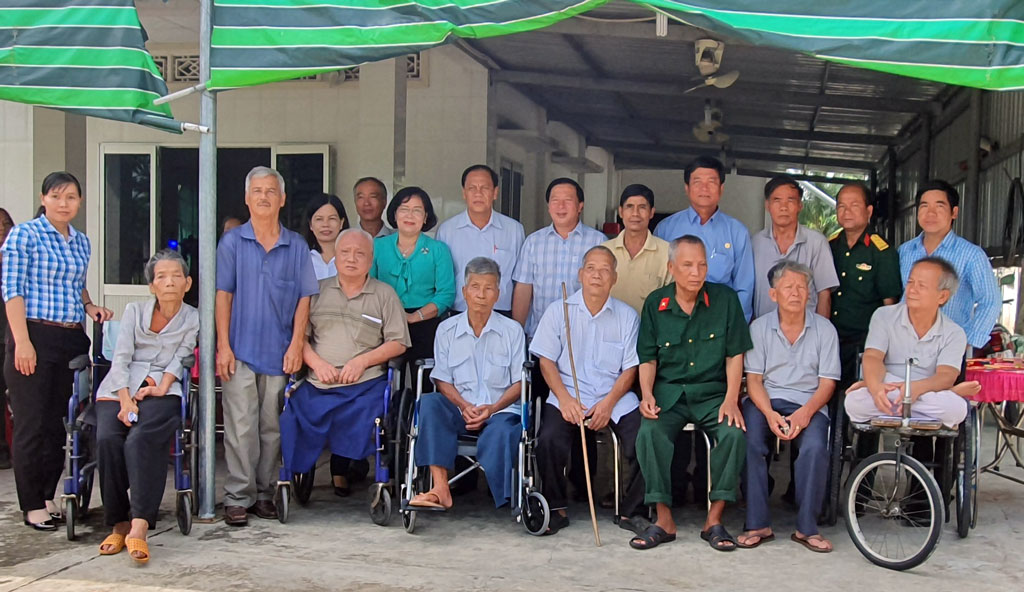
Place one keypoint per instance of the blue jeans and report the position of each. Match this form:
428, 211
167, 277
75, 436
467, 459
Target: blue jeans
810, 470
441, 424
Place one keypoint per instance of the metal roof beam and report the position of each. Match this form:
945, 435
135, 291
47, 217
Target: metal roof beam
693, 151
737, 94
733, 130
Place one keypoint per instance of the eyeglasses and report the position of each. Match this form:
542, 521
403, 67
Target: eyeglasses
404, 211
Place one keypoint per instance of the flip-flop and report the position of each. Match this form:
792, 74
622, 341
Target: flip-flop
138, 546
718, 534
807, 543
114, 540
767, 538
651, 537
424, 503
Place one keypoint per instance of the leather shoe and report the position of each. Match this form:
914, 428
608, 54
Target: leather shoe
47, 526
263, 509
235, 516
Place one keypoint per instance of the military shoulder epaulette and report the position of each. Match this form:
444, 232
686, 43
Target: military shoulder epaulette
835, 234
879, 242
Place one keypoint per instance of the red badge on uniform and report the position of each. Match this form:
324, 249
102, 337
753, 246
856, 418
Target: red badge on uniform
664, 304
706, 302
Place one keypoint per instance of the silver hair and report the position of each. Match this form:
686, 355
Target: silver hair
262, 171
949, 280
164, 255
601, 249
356, 231
688, 239
779, 269
482, 266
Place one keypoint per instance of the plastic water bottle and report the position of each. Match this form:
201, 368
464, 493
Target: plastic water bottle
133, 417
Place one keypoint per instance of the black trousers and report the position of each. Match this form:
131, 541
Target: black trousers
135, 458
4, 450
555, 445
39, 403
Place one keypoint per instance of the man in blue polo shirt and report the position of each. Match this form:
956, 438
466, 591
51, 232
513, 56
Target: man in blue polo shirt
264, 282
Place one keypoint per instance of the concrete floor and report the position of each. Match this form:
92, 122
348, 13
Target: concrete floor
332, 545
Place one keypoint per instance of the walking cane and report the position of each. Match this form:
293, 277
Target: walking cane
583, 432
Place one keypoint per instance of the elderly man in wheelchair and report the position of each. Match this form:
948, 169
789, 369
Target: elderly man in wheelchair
356, 325
478, 368
912, 358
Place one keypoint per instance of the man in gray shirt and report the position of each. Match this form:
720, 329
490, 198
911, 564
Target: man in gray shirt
786, 238
791, 375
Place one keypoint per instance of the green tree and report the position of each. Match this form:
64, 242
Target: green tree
820, 216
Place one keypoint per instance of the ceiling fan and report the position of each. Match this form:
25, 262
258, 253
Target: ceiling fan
708, 57
709, 130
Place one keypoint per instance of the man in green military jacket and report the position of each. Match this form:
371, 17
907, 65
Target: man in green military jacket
869, 274
692, 338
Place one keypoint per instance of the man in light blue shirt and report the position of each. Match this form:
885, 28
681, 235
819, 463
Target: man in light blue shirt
553, 254
730, 259
976, 303
479, 231
478, 365
604, 334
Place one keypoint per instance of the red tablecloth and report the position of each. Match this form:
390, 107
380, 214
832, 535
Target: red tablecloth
1000, 381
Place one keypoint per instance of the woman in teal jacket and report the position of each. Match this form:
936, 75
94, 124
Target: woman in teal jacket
418, 267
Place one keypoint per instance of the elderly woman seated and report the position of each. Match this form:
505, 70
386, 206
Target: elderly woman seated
138, 404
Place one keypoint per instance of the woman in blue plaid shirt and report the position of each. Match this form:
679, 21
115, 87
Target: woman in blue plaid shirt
44, 265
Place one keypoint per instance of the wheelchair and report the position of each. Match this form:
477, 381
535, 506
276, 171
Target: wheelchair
893, 504
80, 445
528, 505
300, 485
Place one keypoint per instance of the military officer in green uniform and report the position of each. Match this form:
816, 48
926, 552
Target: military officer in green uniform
869, 274
691, 342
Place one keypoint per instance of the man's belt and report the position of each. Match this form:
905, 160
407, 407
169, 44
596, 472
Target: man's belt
56, 324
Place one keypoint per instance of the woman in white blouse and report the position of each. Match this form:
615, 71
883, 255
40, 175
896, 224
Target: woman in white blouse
138, 404
325, 219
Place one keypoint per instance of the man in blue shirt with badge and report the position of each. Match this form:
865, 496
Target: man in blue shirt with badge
264, 283
730, 258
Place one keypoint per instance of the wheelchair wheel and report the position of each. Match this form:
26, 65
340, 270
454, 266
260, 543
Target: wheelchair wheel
835, 473
409, 520
282, 501
303, 484
967, 476
380, 504
536, 514
183, 512
71, 516
893, 511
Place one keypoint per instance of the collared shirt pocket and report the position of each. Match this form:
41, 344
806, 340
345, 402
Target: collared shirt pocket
462, 368
609, 356
368, 333
497, 374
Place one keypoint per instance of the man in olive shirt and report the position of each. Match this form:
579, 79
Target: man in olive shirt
692, 338
641, 258
869, 274
356, 325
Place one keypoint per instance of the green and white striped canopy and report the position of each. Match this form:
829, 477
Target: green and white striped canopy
978, 43
81, 56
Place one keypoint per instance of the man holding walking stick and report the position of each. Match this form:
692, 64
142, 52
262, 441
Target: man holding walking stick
603, 333
691, 342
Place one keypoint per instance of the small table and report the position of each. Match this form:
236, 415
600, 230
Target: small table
1001, 382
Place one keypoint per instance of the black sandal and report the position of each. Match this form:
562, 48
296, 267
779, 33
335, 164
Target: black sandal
650, 538
635, 524
717, 535
556, 523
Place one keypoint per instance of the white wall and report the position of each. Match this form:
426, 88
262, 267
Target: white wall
18, 194
742, 196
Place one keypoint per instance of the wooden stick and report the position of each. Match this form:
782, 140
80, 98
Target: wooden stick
583, 432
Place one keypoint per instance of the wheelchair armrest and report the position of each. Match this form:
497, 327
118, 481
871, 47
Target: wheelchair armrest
188, 362
528, 365
79, 362
395, 364
425, 363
